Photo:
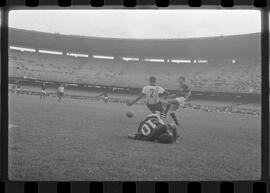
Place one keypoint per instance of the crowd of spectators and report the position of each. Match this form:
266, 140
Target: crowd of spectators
241, 77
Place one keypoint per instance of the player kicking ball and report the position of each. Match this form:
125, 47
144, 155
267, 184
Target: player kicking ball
60, 93
178, 99
152, 93
43, 91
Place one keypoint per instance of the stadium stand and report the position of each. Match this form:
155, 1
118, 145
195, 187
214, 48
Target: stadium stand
243, 77
219, 74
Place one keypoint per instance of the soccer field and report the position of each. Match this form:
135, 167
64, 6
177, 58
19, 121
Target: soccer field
87, 140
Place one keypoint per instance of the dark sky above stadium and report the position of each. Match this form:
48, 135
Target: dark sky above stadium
139, 24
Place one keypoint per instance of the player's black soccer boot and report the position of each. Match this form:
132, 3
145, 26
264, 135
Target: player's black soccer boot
175, 119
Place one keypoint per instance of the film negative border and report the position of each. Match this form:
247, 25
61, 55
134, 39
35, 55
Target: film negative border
134, 187
140, 187
134, 3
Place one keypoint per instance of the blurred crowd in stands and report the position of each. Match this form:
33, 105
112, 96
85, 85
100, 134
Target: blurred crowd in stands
239, 77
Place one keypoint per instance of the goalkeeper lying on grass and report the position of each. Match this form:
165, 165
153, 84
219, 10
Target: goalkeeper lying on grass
154, 129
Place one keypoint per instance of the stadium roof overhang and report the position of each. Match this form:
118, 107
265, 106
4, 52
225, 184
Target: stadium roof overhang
238, 46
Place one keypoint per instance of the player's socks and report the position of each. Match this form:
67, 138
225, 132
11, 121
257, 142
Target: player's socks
164, 113
174, 118
162, 116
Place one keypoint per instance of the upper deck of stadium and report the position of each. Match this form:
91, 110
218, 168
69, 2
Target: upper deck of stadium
245, 46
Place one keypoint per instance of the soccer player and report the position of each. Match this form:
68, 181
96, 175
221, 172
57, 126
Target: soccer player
14, 87
152, 93
104, 96
178, 99
17, 86
60, 93
43, 91
154, 129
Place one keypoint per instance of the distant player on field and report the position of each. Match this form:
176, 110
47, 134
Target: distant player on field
104, 96
60, 93
13, 88
17, 87
43, 91
178, 99
152, 93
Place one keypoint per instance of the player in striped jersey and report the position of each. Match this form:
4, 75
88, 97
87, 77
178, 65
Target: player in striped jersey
152, 94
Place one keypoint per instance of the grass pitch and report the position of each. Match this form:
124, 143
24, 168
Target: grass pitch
87, 140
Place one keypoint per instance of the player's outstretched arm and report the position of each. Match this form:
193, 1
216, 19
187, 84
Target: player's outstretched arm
136, 100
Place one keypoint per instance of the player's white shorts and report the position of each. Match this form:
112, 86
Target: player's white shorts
181, 100
43, 91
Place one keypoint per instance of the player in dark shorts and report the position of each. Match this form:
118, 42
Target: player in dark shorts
152, 94
43, 91
154, 129
178, 99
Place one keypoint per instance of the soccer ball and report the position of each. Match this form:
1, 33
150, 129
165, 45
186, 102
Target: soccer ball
130, 114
